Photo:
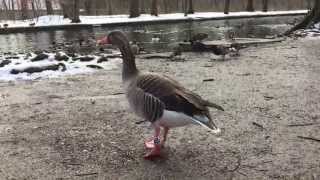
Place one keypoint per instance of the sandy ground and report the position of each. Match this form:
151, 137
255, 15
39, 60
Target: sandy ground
79, 127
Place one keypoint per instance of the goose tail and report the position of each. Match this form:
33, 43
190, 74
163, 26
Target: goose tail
212, 129
213, 105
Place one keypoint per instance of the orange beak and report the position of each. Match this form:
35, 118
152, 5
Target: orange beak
104, 40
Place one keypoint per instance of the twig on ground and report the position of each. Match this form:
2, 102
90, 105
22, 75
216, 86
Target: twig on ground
207, 66
258, 125
118, 93
86, 174
242, 173
207, 80
140, 122
303, 124
309, 138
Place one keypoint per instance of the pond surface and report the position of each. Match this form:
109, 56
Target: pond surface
168, 34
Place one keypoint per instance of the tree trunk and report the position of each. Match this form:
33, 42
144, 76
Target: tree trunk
64, 9
309, 6
166, 6
109, 4
12, 4
134, 8
142, 7
24, 9
13, 16
265, 5
4, 3
190, 8
311, 18
34, 9
226, 6
49, 7
185, 7
250, 7
5, 6
76, 12
154, 8
88, 7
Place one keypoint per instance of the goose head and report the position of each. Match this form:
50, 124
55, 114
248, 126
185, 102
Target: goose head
118, 38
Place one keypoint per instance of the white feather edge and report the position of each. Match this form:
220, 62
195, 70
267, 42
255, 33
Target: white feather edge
214, 131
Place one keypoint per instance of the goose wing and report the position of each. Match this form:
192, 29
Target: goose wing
172, 96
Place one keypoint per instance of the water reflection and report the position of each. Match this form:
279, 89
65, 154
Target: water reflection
169, 34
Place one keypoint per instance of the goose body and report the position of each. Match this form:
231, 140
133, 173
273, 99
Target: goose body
159, 99
165, 102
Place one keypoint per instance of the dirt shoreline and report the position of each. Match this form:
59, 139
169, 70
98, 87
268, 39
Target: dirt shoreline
79, 127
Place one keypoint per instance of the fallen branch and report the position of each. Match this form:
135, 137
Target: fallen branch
208, 80
207, 66
140, 122
258, 125
119, 93
309, 138
304, 124
86, 174
157, 56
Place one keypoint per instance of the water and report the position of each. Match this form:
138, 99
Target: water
169, 34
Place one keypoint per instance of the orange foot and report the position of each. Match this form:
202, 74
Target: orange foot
154, 153
149, 144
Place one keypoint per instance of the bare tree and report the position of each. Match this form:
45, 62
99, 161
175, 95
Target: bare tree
24, 9
71, 10
76, 12
190, 7
309, 6
250, 7
64, 7
109, 5
134, 8
265, 5
12, 4
5, 6
13, 16
34, 9
154, 8
88, 7
185, 7
142, 7
226, 6
312, 18
166, 6
49, 7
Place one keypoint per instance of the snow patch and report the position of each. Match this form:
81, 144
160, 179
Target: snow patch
72, 67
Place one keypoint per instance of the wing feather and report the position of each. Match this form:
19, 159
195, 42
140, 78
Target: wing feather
145, 104
173, 96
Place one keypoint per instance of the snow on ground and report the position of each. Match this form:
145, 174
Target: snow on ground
314, 31
72, 67
56, 20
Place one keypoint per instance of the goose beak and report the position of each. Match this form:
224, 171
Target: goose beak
103, 41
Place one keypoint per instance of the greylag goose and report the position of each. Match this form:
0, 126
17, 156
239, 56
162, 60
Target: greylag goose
159, 99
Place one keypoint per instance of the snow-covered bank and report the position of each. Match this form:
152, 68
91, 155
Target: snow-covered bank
13, 67
57, 20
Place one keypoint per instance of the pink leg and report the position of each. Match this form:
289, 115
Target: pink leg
165, 135
149, 144
154, 145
